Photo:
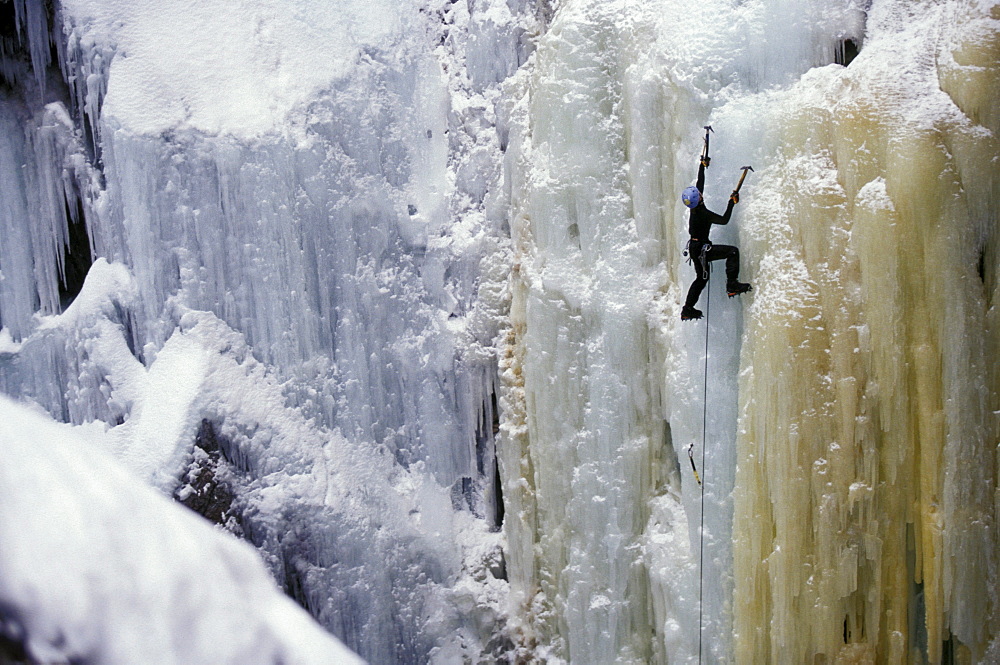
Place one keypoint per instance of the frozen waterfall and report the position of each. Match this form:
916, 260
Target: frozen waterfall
391, 292
851, 444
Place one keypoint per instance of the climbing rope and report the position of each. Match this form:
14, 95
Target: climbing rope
704, 428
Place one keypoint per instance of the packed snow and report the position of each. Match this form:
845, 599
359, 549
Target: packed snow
276, 55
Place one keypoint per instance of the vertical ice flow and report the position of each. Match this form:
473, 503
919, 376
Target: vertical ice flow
851, 400
866, 483
584, 429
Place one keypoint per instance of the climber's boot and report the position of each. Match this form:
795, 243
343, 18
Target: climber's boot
736, 288
689, 313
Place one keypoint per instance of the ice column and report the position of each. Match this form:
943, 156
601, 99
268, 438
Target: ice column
583, 429
18, 294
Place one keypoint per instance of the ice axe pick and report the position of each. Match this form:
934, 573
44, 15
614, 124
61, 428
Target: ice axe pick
707, 128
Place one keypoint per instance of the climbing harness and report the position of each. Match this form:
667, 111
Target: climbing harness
703, 256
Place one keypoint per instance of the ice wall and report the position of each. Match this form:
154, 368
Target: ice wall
866, 483
600, 562
312, 211
312, 180
844, 405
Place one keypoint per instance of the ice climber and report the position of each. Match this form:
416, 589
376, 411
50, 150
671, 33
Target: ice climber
700, 250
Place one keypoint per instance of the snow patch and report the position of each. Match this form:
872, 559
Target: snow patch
106, 570
237, 68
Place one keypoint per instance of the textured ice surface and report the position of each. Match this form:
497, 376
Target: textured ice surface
865, 492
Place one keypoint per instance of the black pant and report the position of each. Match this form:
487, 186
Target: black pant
701, 259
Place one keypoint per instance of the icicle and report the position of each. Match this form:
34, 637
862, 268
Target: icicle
58, 172
33, 27
18, 294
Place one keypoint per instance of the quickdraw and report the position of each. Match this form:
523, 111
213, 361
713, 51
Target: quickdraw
693, 467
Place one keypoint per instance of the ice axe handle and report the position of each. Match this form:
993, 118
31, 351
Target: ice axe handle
743, 177
707, 128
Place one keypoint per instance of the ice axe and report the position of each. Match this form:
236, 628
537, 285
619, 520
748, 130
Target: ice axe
736, 192
704, 155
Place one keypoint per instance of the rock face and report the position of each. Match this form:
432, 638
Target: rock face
206, 488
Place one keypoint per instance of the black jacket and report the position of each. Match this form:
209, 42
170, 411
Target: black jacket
701, 220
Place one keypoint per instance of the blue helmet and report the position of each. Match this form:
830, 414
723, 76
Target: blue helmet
691, 197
